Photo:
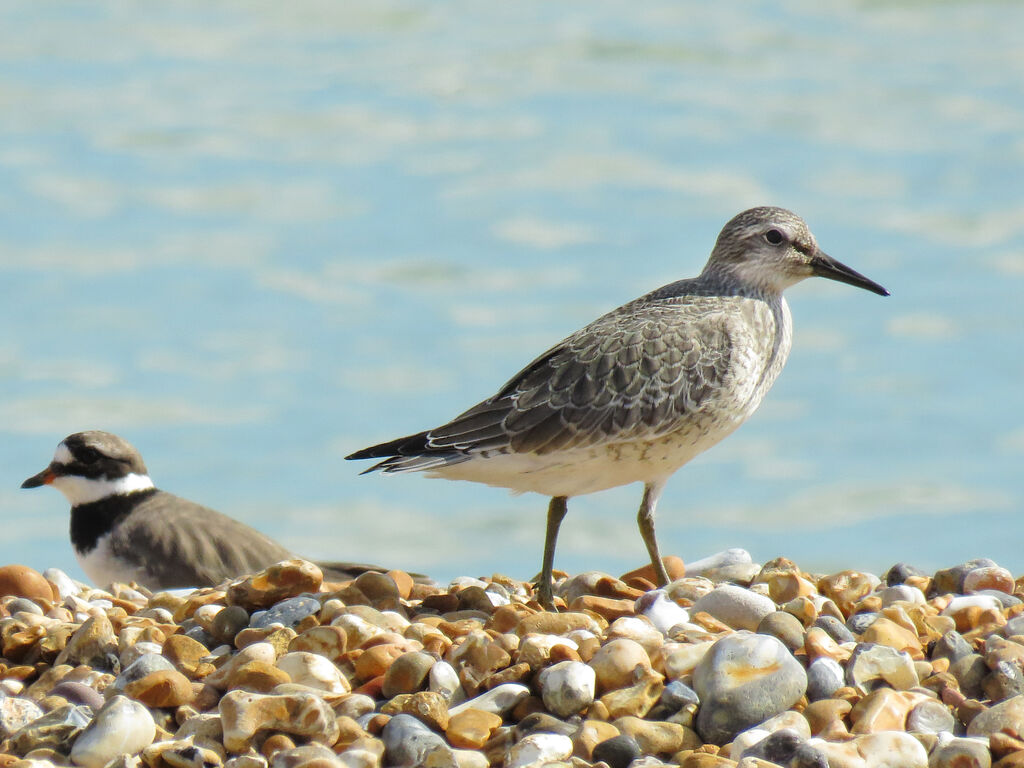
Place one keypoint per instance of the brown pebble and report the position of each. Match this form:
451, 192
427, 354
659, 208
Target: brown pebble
375, 660
163, 688
22, 581
609, 607
674, 565
276, 742
258, 676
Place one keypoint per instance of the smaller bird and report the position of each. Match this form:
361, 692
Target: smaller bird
125, 529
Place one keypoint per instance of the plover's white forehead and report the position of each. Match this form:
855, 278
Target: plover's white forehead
63, 454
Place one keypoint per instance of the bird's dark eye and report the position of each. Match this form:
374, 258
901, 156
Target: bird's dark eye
88, 455
774, 236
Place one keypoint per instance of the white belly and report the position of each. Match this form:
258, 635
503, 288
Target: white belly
583, 471
103, 568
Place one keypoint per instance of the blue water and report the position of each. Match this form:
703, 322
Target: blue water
254, 237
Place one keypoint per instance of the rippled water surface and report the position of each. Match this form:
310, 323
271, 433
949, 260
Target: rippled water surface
254, 237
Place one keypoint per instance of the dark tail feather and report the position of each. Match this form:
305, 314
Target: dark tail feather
402, 446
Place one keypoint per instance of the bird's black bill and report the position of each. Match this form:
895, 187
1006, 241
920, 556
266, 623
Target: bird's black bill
43, 478
824, 265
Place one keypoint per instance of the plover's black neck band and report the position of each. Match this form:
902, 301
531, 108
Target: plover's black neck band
90, 522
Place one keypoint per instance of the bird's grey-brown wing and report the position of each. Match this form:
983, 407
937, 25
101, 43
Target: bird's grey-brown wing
632, 374
183, 544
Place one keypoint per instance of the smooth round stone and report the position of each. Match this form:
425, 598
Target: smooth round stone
970, 672
961, 753
122, 726
408, 742
859, 622
1014, 626
1006, 716
498, 700
22, 581
663, 612
163, 688
537, 749
931, 717
80, 694
824, 677
835, 629
313, 671
727, 557
615, 662
228, 623
16, 713
900, 572
443, 679
784, 626
568, 687
144, 665
901, 593
742, 681
407, 674
739, 608
618, 751
872, 665
677, 695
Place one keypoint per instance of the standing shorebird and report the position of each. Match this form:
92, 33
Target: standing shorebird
124, 529
641, 390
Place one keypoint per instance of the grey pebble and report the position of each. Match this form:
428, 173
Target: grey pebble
824, 677
858, 622
408, 742
836, 629
900, 572
969, 672
288, 612
79, 693
951, 646
784, 626
618, 751
228, 623
736, 694
677, 695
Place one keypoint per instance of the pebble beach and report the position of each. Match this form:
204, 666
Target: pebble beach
734, 663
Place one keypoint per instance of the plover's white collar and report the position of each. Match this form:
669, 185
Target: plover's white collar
84, 490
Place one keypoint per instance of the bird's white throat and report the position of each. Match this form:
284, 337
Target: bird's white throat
85, 490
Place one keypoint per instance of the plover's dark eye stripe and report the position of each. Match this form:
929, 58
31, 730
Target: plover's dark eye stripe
804, 248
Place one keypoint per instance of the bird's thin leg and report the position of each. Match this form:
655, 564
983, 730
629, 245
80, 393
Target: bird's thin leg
556, 511
645, 519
